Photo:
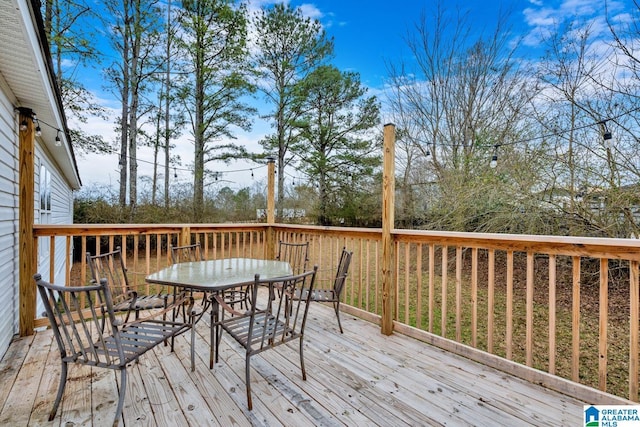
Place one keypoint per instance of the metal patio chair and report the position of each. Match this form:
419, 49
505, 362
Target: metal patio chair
186, 253
126, 298
296, 254
273, 319
333, 293
85, 338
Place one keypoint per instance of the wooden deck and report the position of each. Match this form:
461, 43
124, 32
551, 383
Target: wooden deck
360, 378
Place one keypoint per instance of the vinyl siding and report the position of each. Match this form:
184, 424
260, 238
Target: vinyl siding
9, 223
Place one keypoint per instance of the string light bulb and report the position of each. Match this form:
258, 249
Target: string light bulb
606, 133
494, 158
38, 130
58, 140
23, 125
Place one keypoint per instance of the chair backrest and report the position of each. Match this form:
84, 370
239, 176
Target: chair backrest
295, 254
110, 266
77, 323
279, 318
186, 253
341, 273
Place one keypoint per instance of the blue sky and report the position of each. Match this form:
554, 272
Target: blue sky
369, 33
366, 35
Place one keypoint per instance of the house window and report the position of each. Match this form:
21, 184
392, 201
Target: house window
45, 195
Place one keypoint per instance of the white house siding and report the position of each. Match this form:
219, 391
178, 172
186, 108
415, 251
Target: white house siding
9, 222
60, 211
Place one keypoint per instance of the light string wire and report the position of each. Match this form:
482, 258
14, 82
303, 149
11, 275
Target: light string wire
544, 136
175, 168
494, 146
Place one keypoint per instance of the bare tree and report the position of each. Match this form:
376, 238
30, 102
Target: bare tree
464, 98
135, 34
591, 132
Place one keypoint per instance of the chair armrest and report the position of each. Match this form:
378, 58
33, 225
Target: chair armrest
226, 307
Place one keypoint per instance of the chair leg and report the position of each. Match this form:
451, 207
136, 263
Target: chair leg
61, 387
304, 372
247, 373
193, 343
336, 307
123, 390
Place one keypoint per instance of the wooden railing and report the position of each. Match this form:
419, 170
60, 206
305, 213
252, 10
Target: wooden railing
567, 307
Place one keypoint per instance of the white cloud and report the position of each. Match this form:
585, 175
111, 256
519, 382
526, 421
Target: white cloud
543, 19
311, 11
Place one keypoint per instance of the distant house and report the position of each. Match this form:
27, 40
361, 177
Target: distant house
38, 171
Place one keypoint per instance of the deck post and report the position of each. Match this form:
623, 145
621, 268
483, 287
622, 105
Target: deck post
27, 255
388, 204
185, 236
271, 208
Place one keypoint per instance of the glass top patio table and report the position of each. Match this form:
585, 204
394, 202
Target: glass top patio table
214, 277
220, 274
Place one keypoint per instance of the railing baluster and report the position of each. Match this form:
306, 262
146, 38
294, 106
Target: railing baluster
432, 285
575, 321
552, 314
443, 285
458, 293
419, 285
407, 282
491, 304
529, 310
634, 319
603, 321
509, 314
474, 297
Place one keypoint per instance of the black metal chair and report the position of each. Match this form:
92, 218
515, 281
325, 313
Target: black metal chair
333, 293
190, 253
85, 338
296, 254
273, 319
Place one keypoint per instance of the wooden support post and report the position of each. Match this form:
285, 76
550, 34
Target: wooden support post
388, 204
27, 255
185, 236
271, 208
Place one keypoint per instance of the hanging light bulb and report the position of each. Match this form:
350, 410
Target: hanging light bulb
58, 140
606, 134
23, 125
494, 158
38, 130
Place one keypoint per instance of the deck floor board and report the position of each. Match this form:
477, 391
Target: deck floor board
360, 377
